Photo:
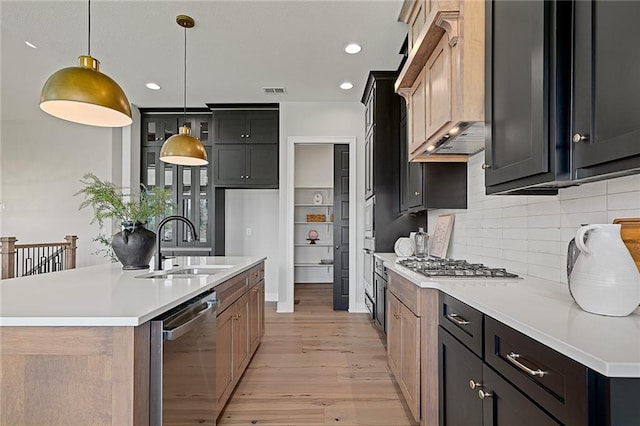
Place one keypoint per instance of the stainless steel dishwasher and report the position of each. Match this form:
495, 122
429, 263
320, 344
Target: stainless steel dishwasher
183, 364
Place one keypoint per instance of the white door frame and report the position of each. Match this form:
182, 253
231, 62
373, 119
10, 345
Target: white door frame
285, 296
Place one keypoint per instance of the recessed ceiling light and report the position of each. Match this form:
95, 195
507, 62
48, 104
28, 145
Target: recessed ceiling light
153, 86
352, 48
346, 85
31, 45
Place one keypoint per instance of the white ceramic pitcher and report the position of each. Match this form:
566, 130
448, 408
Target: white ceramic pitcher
604, 279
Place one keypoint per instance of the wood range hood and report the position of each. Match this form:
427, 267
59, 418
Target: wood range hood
442, 80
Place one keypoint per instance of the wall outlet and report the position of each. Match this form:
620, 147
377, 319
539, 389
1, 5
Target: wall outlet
248, 232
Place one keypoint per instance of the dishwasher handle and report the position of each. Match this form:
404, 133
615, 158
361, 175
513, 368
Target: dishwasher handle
170, 332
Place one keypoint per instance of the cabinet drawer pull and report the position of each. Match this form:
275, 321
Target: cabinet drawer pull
513, 359
473, 384
458, 319
486, 166
242, 136
246, 177
482, 394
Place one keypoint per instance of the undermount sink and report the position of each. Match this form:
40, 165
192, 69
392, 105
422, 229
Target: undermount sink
186, 272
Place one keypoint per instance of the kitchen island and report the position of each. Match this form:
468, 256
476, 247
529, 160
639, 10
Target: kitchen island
529, 316
75, 345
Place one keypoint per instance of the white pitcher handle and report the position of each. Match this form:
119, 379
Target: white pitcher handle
580, 238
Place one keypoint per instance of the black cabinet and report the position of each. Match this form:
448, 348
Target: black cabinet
459, 404
157, 128
430, 185
245, 127
245, 152
382, 161
190, 187
560, 97
606, 91
245, 165
490, 374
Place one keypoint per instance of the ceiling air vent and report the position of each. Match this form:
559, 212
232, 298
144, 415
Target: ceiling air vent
274, 90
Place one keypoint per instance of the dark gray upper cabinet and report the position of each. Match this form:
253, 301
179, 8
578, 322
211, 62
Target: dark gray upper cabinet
245, 153
245, 165
430, 185
158, 127
561, 102
606, 90
245, 127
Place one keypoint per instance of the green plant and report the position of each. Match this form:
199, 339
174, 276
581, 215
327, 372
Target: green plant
112, 202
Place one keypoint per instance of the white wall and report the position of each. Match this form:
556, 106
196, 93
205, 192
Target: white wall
41, 165
529, 234
321, 119
314, 165
255, 210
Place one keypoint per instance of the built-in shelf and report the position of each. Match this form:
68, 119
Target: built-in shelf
313, 264
313, 223
307, 256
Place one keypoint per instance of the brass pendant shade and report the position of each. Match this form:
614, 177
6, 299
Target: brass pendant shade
183, 149
84, 95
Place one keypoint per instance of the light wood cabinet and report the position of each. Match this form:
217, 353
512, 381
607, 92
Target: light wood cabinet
403, 350
417, 113
412, 346
443, 78
240, 325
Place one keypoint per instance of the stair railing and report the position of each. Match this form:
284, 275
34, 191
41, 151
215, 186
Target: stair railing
30, 259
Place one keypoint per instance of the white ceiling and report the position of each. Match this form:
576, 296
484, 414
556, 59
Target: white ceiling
236, 48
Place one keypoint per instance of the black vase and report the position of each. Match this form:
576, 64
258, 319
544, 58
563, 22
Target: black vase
134, 246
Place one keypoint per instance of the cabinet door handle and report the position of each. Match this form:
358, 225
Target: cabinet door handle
247, 136
513, 359
416, 193
473, 384
458, 319
242, 136
577, 138
482, 394
486, 166
247, 177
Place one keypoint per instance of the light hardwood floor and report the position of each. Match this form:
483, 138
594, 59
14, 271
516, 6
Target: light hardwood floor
317, 367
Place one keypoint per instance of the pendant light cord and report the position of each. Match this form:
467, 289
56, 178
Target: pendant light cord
89, 32
185, 76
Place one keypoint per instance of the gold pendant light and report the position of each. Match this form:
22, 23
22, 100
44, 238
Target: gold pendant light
184, 149
84, 95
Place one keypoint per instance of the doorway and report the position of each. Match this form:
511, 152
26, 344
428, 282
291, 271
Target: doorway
297, 224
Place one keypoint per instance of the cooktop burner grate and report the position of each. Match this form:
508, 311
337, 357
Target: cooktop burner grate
451, 268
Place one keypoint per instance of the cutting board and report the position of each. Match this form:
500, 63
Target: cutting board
630, 233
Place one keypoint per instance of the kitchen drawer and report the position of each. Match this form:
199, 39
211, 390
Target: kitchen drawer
406, 292
551, 379
231, 290
256, 274
462, 321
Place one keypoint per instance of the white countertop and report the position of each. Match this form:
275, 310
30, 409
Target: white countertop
546, 312
105, 295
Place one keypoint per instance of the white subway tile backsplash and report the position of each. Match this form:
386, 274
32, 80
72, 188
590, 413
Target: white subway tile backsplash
588, 204
514, 233
549, 247
619, 214
544, 208
586, 190
529, 234
515, 211
569, 220
546, 221
624, 184
543, 234
624, 201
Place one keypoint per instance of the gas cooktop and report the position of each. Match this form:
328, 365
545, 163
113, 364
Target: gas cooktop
450, 268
